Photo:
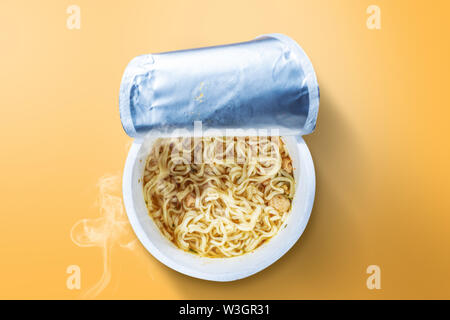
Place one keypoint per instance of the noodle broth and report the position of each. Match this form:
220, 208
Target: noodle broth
219, 197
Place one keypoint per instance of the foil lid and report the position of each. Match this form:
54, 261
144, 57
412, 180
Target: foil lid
264, 84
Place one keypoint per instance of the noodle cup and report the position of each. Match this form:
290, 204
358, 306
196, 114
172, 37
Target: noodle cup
219, 269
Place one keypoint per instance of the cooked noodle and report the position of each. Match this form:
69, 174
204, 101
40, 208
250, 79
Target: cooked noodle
216, 196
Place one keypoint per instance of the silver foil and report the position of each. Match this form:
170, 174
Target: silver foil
267, 83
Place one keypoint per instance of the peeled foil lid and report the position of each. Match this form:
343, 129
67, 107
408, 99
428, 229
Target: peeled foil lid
266, 86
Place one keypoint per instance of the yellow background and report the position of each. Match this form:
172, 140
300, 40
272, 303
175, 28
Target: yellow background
381, 145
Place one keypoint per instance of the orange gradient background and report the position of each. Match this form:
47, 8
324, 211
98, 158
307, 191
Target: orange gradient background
381, 146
